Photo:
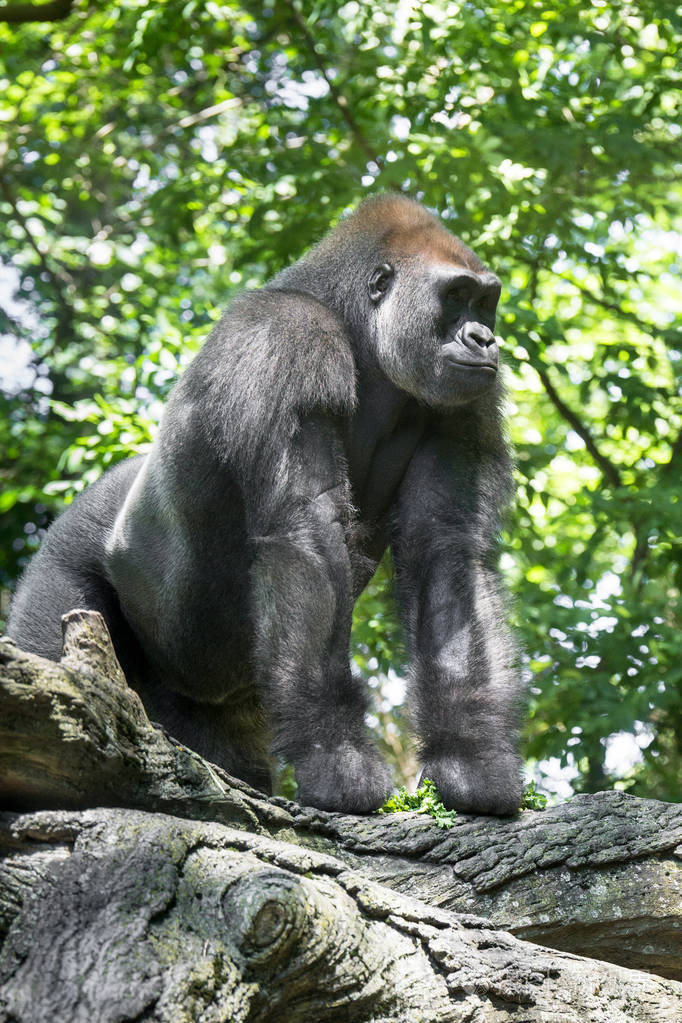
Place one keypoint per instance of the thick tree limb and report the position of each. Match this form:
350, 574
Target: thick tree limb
600, 875
121, 915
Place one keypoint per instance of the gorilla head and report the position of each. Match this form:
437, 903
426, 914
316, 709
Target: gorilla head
421, 303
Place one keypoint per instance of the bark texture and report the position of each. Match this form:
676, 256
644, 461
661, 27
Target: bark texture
126, 915
211, 902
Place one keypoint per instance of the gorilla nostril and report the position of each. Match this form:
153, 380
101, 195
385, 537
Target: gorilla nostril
478, 334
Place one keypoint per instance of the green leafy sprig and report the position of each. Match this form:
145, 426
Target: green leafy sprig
532, 799
426, 799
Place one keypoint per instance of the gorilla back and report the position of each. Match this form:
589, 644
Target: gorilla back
351, 403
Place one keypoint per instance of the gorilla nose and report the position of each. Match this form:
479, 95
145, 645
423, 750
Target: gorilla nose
473, 345
477, 336
480, 344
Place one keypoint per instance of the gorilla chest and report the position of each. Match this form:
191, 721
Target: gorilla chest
382, 440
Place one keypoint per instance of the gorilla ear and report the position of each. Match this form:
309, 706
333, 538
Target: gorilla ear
379, 282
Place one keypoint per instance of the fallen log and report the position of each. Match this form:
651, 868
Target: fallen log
115, 915
600, 875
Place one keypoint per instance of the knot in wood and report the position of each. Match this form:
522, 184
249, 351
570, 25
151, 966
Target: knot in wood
267, 912
268, 924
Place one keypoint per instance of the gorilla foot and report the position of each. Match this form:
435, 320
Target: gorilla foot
352, 779
489, 785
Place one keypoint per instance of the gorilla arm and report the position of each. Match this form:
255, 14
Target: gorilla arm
303, 602
465, 690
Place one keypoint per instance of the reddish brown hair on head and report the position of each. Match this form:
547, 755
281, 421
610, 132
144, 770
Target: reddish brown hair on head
408, 229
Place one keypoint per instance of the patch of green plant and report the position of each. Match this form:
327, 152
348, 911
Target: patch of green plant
283, 779
426, 799
532, 799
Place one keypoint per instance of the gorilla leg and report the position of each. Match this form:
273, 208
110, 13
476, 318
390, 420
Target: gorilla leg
466, 693
68, 572
233, 734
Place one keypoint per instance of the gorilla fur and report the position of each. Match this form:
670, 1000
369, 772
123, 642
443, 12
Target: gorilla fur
351, 403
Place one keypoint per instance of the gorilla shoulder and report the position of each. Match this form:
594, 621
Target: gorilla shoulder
279, 347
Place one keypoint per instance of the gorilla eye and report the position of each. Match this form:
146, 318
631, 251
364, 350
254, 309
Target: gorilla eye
459, 294
487, 304
379, 282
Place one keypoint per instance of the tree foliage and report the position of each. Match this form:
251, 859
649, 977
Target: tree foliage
157, 157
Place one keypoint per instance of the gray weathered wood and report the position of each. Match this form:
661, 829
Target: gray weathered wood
118, 915
601, 875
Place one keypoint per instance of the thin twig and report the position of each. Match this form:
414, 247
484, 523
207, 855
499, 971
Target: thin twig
646, 328
562, 408
208, 112
675, 456
58, 275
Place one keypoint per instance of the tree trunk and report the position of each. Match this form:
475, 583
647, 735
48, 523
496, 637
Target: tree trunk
138, 882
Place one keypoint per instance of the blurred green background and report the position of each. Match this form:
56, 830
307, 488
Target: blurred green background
158, 157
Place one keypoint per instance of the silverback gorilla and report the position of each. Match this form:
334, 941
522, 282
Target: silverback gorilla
351, 403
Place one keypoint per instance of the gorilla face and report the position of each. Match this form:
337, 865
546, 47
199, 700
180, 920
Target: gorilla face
434, 323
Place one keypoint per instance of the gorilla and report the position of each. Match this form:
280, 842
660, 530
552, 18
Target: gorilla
350, 404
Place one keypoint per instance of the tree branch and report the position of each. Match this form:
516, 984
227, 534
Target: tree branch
58, 275
647, 328
608, 468
675, 456
131, 916
560, 405
339, 99
119, 914
207, 113
60, 279
21, 14
651, 329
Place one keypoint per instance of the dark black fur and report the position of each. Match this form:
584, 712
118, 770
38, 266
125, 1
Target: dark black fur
351, 403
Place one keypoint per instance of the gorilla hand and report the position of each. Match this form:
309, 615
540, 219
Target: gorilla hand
347, 777
489, 783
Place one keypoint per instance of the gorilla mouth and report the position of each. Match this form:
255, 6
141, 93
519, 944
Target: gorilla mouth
472, 364
471, 357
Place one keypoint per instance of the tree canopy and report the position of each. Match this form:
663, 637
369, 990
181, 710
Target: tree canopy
158, 157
